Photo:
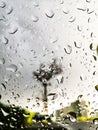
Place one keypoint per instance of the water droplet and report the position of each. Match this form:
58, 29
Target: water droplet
26, 115
34, 18
3, 87
49, 13
77, 44
4, 40
60, 79
21, 65
18, 74
12, 68
65, 10
35, 3
68, 49
95, 58
61, 1
9, 10
97, 49
89, 12
95, 121
4, 113
2, 61
96, 128
72, 116
88, 1
53, 39
13, 29
79, 28
7, 78
96, 87
81, 9
72, 19
92, 47
2, 4
0, 96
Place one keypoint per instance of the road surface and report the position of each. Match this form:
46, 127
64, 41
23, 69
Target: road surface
70, 126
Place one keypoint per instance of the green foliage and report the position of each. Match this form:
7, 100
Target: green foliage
75, 106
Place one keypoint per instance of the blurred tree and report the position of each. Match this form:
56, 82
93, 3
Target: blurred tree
44, 75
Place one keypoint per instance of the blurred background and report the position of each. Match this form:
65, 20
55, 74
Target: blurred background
35, 32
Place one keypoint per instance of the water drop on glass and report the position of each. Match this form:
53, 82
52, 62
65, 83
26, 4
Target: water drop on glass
13, 29
18, 74
2, 4
72, 19
21, 65
2, 61
12, 68
1, 123
77, 44
60, 79
34, 18
79, 28
96, 87
88, 1
65, 11
35, 4
4, 40
3, 86
9, 10
53, 39
4, 112
61, 1
68, 49
0, 96
95, 121
92, 47
49, 13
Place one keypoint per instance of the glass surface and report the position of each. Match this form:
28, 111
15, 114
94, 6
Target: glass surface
57, 39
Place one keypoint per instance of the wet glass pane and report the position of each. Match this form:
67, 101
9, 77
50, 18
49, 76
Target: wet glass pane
49, 63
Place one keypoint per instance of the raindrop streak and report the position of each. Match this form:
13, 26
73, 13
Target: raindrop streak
35, 18
68, 49
12, 68
2, 61
49, 13
2, 4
